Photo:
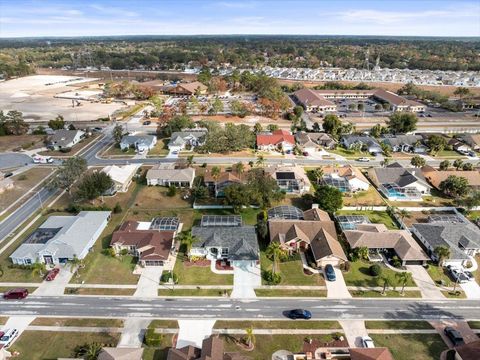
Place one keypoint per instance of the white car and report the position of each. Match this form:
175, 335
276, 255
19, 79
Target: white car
363, 159
7, 337
367, 342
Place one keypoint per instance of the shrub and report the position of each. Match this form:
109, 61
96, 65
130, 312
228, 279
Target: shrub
396, 262
65, 150
109, 252
172, 191
167, 275
375, 270
117, 209
124, 252
22, 177
271, 278
347, 266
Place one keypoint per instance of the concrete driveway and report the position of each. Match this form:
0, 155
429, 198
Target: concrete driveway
423, 280
147, 285
246, 277
337, 289
133, 332
18, 322
55, 287
354, 331
192, 332
472, 290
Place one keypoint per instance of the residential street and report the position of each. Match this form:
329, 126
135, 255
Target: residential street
198, 308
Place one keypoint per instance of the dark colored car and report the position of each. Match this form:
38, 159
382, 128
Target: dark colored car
52, 274
454, 336
299, 314
15, 294
148, 122
8, 174
330, 273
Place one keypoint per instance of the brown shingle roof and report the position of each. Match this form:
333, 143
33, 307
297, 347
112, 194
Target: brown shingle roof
469, 351
370, 354
310, 97
435, 177
346, 171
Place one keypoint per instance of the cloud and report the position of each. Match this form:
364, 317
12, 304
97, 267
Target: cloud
237, 5
116, 11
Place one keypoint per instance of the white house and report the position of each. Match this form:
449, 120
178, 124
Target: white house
141, 143
121, 175
186, 139
168, 175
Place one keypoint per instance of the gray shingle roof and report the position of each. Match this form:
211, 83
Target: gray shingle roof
399, 175
241, 241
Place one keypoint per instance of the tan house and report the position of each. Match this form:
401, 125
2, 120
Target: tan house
121, 175
376, 237
350, 175
188, 89
311, 230
168, 174
291, 179
435, 177
212, 349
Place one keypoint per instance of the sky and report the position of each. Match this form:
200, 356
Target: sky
22, 18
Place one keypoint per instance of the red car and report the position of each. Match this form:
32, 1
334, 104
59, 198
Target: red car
16, 294
52, 274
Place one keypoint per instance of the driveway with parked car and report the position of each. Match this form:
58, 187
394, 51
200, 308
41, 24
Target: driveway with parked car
336, 287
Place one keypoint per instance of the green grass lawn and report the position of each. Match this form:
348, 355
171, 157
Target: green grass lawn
388, 294
374, 216
99, 291
159, 352
290, 293
439, 274
403, 347
457, 294
292, 272
371, 197
40, 345
474, 324
198, 275
166, 324
41, 321
278, 324
452, 154
350, 154
193, 292
391, 324
359, 275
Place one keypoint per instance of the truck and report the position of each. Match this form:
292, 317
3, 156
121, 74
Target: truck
39, 159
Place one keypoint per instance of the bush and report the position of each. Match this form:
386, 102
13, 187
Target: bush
65, 150
124, 252
396, 262
172, 191
271, 278
347, 266
22, 177
75, 208
109, 252
167, 275
375, 270
117, 209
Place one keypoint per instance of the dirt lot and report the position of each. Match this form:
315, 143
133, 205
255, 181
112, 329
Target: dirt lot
421, 217
8, 143
22, 184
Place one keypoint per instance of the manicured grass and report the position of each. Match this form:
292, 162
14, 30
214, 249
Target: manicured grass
448, 154
388, 294
77, 322
374, 216
474, 324
198, 275
115, 150
40, 345
99, 291
290, 293
390, 324
402, 347
160, 352
166, 324
439, 275
266, 345
359, 275
278, 324
3, 320
371, 197
193, 292
6, 288
458, 294
160, 148
350, 154
292, 272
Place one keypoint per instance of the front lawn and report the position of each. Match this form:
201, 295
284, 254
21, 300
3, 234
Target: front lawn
99, 291
292, 272
277, 324
350, 154
40, 321
374, 216
290, 293
158, 352
401, 324
359, 275
388, 294
438, 274
198, 275
39, 345
160, 148
194, 292
403, 347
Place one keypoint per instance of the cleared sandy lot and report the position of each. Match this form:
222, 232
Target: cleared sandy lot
35, 97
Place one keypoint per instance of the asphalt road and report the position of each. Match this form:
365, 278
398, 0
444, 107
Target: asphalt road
29, 207
198, 308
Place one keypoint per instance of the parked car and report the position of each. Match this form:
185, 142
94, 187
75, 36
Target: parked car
469, 275
458, 276
363, 159
52, 274
8, 336
148, 122
330, 273
8, 174
299, 314
16, 294
455, 337
305, 153
367, 342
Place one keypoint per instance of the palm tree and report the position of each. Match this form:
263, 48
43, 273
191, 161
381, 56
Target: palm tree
442, 253
275, 252
404, 213
186, 238
403, 277
189, 160
386, 282
75, 263
239, 168
38, 268
249, 337
215, 174
89, 351
260, 161
317, 174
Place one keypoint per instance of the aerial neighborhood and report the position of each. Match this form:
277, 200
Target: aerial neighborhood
239, 198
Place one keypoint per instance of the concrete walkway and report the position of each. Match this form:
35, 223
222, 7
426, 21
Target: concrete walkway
427, 286
472, 290
57, 286
192, 332
337, 289
354, 331
147, 285
246, 278
87, 329
133, 332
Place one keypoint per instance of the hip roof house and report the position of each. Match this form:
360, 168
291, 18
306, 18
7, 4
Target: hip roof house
168, 174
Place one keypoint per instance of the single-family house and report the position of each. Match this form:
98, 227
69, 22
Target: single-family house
65, 139
291, 179
405, 143
6, 183
311, 230
188, 89
149, 244
62, 238
186, 139
120, 353
398, 183
217, 185
377, 238
462, 238
141, 143
435, 177
468, 351
212, 349
225, 237
345, 178
473, 140
367, 143
378, 353
278, 140
121, 175
459, 146
168, 174
311, 142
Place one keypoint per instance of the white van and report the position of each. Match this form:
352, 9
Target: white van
38, 159
8, 336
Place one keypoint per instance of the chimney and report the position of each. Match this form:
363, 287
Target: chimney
314, 206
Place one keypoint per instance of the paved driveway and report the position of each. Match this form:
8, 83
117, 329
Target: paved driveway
337, 289
472, 289
18, 322
133, 332
192, 332
147, 285
57, 286
423, 280
354, 331
246, 277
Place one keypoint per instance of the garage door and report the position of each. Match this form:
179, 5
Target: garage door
153, 263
